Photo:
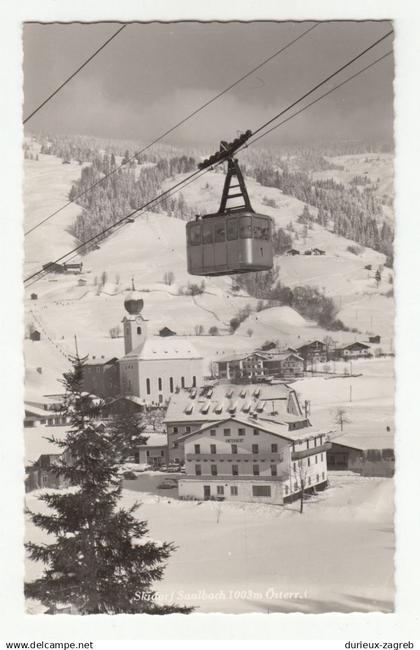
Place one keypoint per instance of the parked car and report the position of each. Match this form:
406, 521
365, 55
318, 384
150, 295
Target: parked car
129, 476
168, 484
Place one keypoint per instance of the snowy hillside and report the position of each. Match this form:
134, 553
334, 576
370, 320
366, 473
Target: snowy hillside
154, 244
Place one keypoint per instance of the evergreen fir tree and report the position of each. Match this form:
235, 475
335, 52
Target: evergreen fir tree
101, 561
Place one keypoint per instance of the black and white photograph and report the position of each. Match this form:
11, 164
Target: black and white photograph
214, 412
209, 307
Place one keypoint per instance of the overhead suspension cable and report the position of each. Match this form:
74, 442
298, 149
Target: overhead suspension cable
315, 101
92, 56
197, 173
173, 128
324, 81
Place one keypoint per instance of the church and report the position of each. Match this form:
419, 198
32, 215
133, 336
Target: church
154, 367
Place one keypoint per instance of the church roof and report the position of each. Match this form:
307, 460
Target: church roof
164, 348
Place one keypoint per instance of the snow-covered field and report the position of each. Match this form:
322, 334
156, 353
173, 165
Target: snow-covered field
238, 558
338, 556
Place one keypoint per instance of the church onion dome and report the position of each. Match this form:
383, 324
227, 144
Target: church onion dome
133, 303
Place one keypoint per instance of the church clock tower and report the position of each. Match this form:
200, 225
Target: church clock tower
135, 326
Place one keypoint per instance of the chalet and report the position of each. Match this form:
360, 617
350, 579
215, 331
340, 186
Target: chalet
37, 414
283, 364
35, 335
74, 267
318, 251
102, 377
241, 366
189, 409
368, 456
355, 350
375, 339
53, 267
127, 404
292, 251
42, 474
154, 451
34, 296
253, 458
165, 331
308, 252
312, 353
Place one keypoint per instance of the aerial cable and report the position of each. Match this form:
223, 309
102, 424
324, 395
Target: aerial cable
92, 56
178, 124
156, 201
197, 173
315, 101
324, 81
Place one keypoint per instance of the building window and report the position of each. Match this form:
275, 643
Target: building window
196, 449
294, 467
212, 432
213, 470
182, 382
187, 429
323, 475
234, 449
307, 444
220, 490
160, 383
226, 432
175, 429
309, 480
241, 432
213, 449
198, 470
322, 457
317, 478
274, 449
273, 469
255, 449
175, 445
160, 399
256, 432
309, 462
148, 386
194, 381
295, 487
261, 491
171, 384
316, 459
286, 490
234, 490
235, 470
138, 330
256, 470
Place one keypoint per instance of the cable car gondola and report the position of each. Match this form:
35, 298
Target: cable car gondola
235, 239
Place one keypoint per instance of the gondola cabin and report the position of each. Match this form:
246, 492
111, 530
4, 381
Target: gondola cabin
234, 239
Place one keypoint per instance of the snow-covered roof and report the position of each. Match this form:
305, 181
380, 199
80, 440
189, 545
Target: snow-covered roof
164, 348
365, 442
276, 428
155, 440
223, 400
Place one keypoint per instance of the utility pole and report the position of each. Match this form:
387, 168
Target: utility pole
75, 345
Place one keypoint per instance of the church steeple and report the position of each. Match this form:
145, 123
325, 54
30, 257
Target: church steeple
135, 326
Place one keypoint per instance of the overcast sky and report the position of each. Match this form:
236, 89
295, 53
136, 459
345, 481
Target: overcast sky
152, 75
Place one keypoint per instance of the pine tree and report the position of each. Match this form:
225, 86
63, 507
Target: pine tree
101, 560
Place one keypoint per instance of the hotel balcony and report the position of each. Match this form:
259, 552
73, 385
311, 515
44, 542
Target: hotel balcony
262, 457
304, 453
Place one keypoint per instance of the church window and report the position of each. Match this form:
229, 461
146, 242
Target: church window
160, 383
148, 386
139, 330
171, 384
183, 382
